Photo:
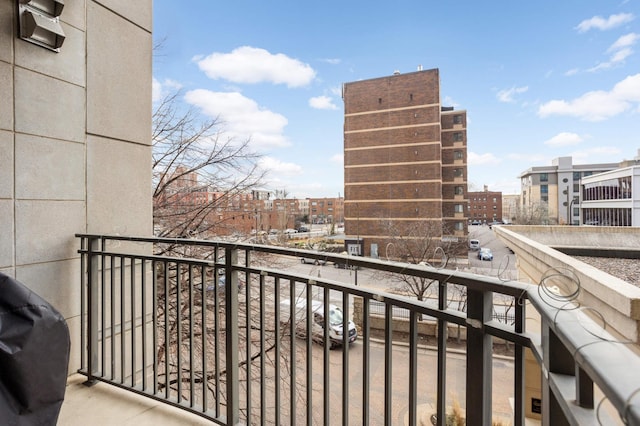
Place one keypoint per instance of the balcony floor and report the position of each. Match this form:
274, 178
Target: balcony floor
103, 404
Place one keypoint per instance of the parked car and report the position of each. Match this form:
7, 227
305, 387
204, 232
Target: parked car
342, 265
314, 261
220, 285
474, 245
485, 254
335, 321
289, 231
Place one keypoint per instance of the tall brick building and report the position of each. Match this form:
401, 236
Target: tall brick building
405, 158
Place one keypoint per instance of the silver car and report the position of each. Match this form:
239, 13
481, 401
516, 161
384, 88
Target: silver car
485, 254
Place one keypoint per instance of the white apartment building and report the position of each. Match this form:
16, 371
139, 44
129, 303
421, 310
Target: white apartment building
556, 189
611, 198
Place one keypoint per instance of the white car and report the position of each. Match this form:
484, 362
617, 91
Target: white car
485, 254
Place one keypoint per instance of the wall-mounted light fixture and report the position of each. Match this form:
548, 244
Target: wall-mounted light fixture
40, 23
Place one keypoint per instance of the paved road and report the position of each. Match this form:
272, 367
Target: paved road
502, 266
504, 262
426, 385
456, 363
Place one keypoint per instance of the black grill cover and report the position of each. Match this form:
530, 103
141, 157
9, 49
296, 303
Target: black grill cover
34, 357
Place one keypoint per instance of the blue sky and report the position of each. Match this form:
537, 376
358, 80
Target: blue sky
539, 80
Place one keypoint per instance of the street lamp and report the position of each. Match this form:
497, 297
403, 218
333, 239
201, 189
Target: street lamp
575, 199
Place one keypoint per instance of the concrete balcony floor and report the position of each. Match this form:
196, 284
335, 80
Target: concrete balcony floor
105, 405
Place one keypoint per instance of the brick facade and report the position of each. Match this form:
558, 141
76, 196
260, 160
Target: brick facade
485, 206
405, 156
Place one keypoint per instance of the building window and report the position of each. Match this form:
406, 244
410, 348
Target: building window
576, 175
457, 172
457, 155
457, 119
459, 226
457, 136
544, 177
544, 189
458, 208
576, 188
459, 190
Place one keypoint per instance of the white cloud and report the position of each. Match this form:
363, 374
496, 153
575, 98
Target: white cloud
598, 105
627, 40
603, 24
159, 89
337, 158
332, 61
564, 139
571, 72
448, 101
248, 64
242, 117
506, 95
322, 102
620, 50
597, 155
474, 159
529, 158
280, 167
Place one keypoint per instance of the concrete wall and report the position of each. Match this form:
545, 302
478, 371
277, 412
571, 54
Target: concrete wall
582, 236
617, 301
75, 148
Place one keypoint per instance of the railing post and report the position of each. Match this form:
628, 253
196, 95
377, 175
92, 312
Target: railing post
441, 400
557, 360
93, 268
231, 325
479, 357
519, 366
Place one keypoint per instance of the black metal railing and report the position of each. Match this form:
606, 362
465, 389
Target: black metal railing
205, 326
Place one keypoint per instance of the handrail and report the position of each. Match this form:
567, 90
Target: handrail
573, 357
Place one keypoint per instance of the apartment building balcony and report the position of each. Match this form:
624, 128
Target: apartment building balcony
167, 340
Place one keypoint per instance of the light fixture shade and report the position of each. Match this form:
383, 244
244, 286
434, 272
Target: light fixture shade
50, 7
40, 30
40, 23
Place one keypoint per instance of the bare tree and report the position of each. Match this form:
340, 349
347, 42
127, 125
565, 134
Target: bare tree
420, 243
191, 352
198, 171
536, 213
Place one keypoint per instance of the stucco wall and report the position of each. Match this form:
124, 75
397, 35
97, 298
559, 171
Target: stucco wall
75, 148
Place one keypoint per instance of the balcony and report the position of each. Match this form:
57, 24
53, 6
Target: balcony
202, 328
